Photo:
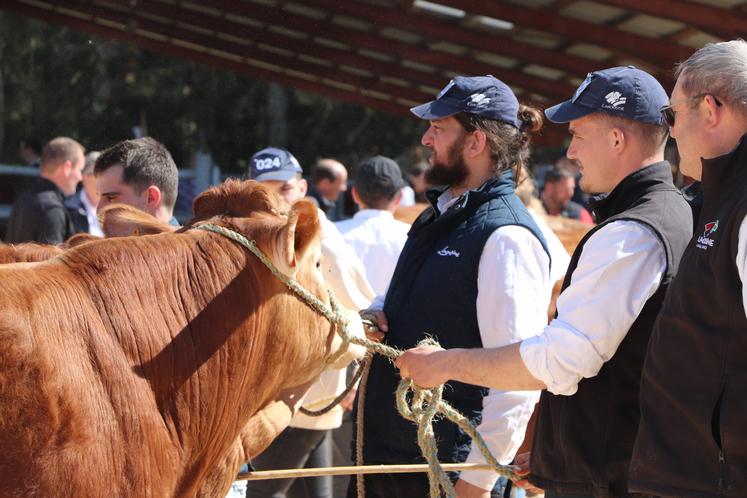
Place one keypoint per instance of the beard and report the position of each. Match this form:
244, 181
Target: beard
452, 171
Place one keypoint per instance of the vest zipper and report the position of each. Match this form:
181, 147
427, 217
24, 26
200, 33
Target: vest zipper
722, 469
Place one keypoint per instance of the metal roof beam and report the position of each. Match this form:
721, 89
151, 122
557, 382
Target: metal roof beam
649, 49
722, 23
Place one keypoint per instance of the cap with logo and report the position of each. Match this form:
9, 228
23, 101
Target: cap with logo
484, 96
379, 175
624, 91
273, 164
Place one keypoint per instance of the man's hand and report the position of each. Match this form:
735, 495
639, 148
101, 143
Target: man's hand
522, 461
420, 365
378, 319
466, 490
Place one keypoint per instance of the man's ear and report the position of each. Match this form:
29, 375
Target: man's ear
67, 167
714, 112
303, 186
476, 143
356, 196
617, 139
153, 197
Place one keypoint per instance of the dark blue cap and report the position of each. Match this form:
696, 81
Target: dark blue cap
273, 164
484, 96
624, 91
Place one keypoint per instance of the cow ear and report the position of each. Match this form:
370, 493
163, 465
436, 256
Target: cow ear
302, 229
120, 220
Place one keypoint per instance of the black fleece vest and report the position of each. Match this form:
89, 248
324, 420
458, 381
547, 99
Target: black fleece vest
692, 439
433, 292
582, 444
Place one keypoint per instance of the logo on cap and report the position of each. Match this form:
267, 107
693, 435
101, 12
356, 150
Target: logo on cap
478, 100
616, 99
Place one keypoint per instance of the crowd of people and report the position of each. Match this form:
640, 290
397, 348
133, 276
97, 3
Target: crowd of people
636, 383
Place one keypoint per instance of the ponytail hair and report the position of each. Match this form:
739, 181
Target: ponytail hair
509, 146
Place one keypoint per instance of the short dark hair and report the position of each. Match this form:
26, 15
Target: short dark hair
557, 174
145, 162
323, 170
509, 146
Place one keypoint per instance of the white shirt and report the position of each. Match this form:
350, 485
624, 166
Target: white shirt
559, 256
377, 238
93, 219
620, 268
345, 275
742, 260
513, 293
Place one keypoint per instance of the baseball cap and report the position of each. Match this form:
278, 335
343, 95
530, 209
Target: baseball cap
273, 164
484, 96
623, 91
379, 175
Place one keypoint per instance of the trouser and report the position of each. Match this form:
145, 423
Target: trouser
294, 449
404, 486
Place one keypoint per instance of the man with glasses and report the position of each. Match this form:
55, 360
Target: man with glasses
590, 357
692, 439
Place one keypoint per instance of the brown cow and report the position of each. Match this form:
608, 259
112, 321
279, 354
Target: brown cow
132, 365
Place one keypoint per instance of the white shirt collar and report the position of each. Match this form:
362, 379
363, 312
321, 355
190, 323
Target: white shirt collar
365, 214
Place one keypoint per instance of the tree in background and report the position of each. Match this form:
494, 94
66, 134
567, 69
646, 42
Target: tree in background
55, 81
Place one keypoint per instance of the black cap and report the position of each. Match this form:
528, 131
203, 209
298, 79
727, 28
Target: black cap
379, 176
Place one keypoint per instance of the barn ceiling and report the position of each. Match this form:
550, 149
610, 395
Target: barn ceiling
389, 55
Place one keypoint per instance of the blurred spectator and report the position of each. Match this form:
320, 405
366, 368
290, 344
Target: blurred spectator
307, 442
416, 179
556, 196
140, 173
29, 150
39, 215
572, 166
83, 204
329, 179
373, 233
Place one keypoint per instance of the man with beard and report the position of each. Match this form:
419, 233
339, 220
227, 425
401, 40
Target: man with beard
589, 358
474, 273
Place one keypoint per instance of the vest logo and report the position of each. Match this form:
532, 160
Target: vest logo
448, 252
705, 241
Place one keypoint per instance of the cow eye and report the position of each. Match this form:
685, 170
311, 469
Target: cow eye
318, 264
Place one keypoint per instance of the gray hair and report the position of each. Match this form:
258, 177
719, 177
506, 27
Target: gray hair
719, 69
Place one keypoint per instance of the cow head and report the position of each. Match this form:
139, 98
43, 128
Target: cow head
290, 237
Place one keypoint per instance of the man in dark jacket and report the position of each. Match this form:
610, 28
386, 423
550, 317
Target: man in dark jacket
590, 357
39, 215
692, 439
475, 267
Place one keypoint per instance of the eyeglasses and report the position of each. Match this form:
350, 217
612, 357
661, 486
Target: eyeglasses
668, 113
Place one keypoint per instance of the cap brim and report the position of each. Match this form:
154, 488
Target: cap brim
435, 109
567, 111
282, 176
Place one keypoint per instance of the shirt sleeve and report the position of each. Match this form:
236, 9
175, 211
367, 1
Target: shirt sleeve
742, 260
620, 268
513, 295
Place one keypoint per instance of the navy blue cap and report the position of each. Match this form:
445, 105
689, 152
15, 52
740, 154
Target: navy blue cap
484, 96
624, 91
273, 164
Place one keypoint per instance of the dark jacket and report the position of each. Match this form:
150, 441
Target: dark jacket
39, 215
692, 439
583, 442
433, 292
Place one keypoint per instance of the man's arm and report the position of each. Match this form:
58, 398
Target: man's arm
619, 270
513, 287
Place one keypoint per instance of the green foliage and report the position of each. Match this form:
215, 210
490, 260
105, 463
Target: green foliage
56, 81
